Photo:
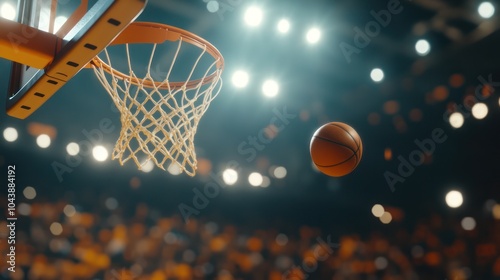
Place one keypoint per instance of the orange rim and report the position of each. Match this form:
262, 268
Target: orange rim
157, 33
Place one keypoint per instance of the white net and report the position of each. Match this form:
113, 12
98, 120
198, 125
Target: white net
159, 117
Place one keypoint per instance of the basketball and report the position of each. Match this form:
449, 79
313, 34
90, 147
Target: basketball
336, 149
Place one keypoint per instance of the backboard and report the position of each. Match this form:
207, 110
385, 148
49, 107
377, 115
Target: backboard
64, 37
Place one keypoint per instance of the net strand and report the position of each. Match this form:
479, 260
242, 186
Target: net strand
162, 126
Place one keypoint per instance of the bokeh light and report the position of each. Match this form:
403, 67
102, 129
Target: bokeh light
148, 166
43, 141
422, 47
456, 120
313, 35
486, 10
72, 149
468, 223
100, 153
454, 199
56, 228
213, 6
270, 88
230, 176
174, 169
69, 210
255, 179
283, 26
240, 79
378, 210
480, 111
280, 172
29, 192
386, 218
377, 75
266, 182
253, 16
10, 134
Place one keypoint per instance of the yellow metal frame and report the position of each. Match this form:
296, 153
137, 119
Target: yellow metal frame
59, 63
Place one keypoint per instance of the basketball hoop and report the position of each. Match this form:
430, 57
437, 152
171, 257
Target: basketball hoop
162, 126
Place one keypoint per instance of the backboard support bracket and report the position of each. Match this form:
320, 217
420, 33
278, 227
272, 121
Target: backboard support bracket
94, 31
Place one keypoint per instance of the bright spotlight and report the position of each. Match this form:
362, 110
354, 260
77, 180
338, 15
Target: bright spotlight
72, 149
454, 199
255, 179
270, 88
148, 166
230, 176
253, 16
456, 120
480, 111
378, 210
240, 79
213, 6
283, 26
313, 35
377, 75
8, 11
422, 47
43, 141
100, 153
10, 134
174, 168
486, 10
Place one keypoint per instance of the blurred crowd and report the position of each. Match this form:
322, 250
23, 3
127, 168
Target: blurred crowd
58, 241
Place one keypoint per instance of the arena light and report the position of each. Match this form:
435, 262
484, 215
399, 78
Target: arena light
72, 149
253, 16
378, 210
148, 166
43, 141
313, 35
230, 176
377, 75
280, 172
283, 26
10, 134
240, 79
8, 11
270, 88
479, 111
454, 199
486, 10
100, 153
456, 120
255, 179
422, 47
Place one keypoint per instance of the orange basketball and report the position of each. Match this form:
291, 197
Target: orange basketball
336, 149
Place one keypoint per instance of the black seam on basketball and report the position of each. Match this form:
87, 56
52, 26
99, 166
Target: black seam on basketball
331, 141
333, 165
357, 144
